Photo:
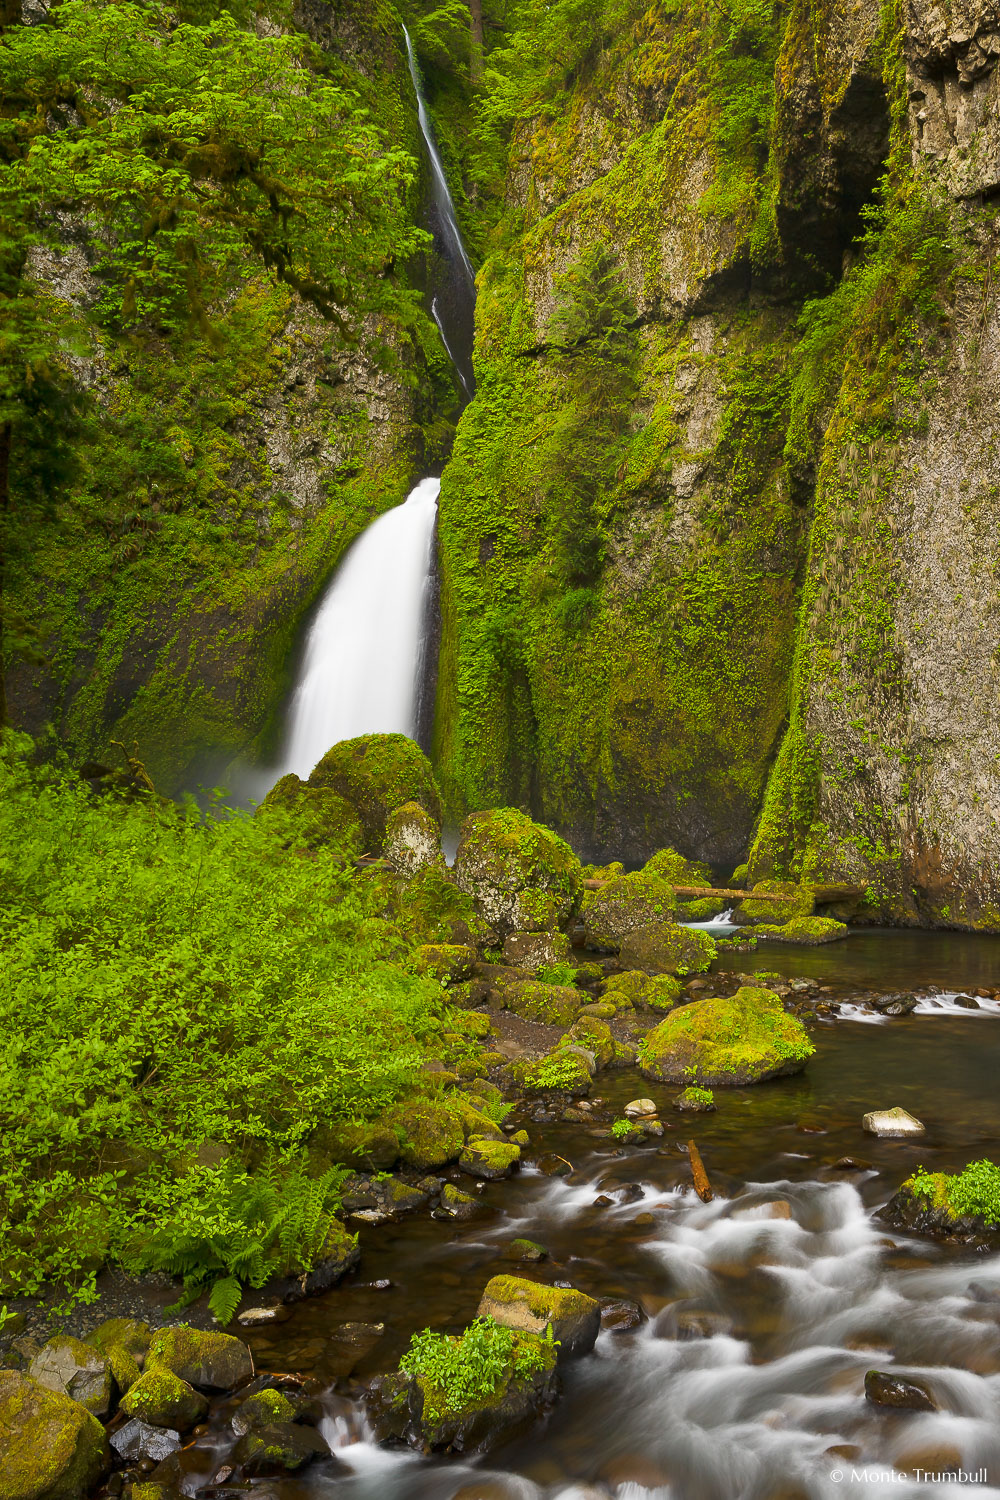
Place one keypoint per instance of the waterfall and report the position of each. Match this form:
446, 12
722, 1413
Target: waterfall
362, 664
439, 183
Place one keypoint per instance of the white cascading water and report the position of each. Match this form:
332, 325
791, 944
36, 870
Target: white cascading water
361, 669
439, 183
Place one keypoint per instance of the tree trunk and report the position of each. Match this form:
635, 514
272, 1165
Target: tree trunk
476, 21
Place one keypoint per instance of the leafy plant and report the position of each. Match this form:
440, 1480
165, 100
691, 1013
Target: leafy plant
974, 1191
471, 1370
696, 1095
622, 1129
557, 974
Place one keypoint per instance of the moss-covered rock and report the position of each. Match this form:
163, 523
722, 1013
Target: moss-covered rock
961, 1206
489, 1159
449, 962
208, 1361
52, 1448
570, 1317
412, 840
521, 876
626, 905
595, 1035
164, 1400
475, 1123
807, 931
377, 773
536, 950
472, 1023
316, 815
279, 1448
430, 1133
261, 1409
124, 1333
634, 988
371, 1146
677, 870
458, 1204
796, 901
668, 949
741, 1040
559, 1071
704, 910
549, 1004
432, 909
78, 1370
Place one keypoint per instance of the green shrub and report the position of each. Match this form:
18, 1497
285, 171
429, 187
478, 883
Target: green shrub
974, 1192
470, 1371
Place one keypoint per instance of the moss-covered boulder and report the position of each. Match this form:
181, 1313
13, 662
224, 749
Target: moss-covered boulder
457, 1204
536, 950
121, 1333
412, 840
472, 1023
489, 1159
796, 901
668, 949
279, 1448
705, 909
560, 1071
208, 1361
51, 1447
429, 1131
449, 962
164, 1400
727, 1042
314, 815
634, 988
594, 1035
376, 773
808, 932
475, 1123
521, 876
433, 909
960, 1206
564, 1314
627, 905
370, 1146
677, 870
549, 1004
261, 1410
78, 1370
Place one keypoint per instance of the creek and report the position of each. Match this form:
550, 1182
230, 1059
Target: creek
746, 1380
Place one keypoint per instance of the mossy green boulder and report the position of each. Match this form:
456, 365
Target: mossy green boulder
429, 1131
558, 1072
726, 1042
317, 816
449, 962
626, 905
376, 773
51, 1447
209, 1361
806, 931
279, 1448
124, 1333
568, 1316
371, 1146
521, 876
430, 908
412, 840
76, 1369
595, 1036
489, 1159
796, 901
261, 1409
668, 949
673, 867
549, 1004
164, 1400
706, 909
634, 988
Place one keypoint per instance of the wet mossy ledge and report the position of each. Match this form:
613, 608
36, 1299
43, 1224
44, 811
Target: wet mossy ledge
295, 1022
960, 1207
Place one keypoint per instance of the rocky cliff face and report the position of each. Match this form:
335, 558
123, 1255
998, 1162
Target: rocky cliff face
794, 601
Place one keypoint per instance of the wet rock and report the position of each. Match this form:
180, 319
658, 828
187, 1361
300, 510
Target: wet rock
489, 1159
51, 1445
138, 1439
892, 1124
967, 1002
399, 1408
695, 1101
260, 1317
122, 1333
895, 1004
883, 1388
456, 1204
985, 1291
279, 1448
621, 1316
637, 1109
164, 1399
524, 1250
208, 1361
699, 1323
604, 1201
851, 1164
338, 1255
775, 1208
928, 1459
744, 1039
552, 1165
77, 1370
530, 1307
261, 1410
546, 1004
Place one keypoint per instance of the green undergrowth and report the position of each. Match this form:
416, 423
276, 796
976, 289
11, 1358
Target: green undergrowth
973, 1192
459, 1374
184, 1001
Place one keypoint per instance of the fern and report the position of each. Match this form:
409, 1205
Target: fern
224, 1299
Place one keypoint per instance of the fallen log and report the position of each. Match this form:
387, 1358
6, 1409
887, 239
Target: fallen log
821, 893
702, 1186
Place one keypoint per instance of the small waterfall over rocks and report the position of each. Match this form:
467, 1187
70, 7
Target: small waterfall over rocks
365, 658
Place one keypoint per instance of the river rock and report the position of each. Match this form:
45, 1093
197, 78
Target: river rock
489, 1159
261, 1410
892, 1124
884, 1388
164, 1399
412, 840
732, 1042
260, 1317
431, 1133
895, 1004
621, 1316
457, 1204
530, 1307
206, 1360
78, 1370
399, 1408
668, 949
524, 1250
637, 1109
553, 1165
522, 877
279, 1448
138, 1439
52, 1447
626, 905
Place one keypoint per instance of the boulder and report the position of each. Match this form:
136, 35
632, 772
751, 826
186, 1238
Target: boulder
883, 1388
521, 876
573, 1318
122, 1333
279, 1448
52, 1447
728, 1042
412, 840
376, 774
695, 1101
489, 1159
430, 1133
208, 1361
668, 949
536, 950
640, 1109
621, 1316
633, 987
78, 1370
703, 909
892, 1124
677, 870
595, 1036
796, 901
449, 962
457, 1204
261, 1410
139, 1439
316, 816
368, 1147
626, 905
164, 1400
808, 932
548, 1004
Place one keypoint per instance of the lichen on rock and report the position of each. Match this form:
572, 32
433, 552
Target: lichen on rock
522, 877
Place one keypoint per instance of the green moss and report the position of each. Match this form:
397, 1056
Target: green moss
458, 1376
548, 1004
798, 901
676, 870
450, 962
430, 1133
804, 930
314, 815
626, 905
265, 1407
483, 1157
973, 1192
163, 1399
668, 949
557, 1072
377, 773
54, 1449
741, 1040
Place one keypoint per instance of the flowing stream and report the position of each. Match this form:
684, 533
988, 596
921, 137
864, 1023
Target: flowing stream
365, 655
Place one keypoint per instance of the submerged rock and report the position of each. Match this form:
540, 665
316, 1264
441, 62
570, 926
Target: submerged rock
531, 1307
521, 876
52, 1447
892, 1124
730, 1042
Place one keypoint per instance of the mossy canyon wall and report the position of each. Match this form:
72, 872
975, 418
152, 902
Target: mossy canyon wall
717, 534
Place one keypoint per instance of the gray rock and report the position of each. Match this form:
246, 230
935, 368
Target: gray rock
78, 1370
139, 1439
892, 1124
